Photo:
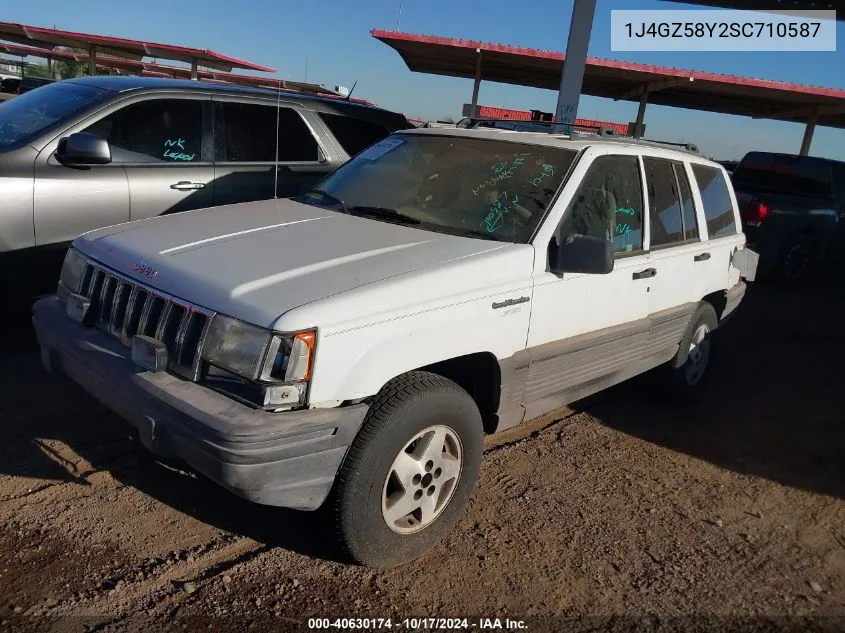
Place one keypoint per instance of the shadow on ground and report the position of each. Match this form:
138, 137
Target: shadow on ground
773, 407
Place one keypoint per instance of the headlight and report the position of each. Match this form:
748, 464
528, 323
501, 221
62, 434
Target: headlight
258, 354
236, 346
73, 270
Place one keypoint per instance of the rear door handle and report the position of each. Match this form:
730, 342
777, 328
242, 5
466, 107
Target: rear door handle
185, 185
702, 257
644, 274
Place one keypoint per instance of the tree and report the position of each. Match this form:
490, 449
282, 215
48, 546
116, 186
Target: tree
36, 70
68, 69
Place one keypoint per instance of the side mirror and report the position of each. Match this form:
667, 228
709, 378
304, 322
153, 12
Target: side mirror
83, 149
581, 254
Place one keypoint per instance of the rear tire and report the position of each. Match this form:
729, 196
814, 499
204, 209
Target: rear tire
689, 370
419, 450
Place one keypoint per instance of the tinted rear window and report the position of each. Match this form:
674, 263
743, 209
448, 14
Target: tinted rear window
249, 133
353, 134
795, 174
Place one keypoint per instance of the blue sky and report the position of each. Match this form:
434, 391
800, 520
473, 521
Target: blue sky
333, 36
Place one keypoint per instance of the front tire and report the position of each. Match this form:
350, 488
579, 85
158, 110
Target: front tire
410, 471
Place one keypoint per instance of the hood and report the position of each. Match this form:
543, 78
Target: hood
258, 260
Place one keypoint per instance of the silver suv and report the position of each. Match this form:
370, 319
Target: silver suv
86, 153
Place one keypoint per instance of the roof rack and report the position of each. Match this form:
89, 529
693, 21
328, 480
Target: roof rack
598, 130
474, 122
684, 147
690, 147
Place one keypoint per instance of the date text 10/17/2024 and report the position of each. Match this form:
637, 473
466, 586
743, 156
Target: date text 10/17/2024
417, 624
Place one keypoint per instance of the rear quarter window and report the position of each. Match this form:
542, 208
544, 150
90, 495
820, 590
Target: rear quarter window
716, 199
354, 135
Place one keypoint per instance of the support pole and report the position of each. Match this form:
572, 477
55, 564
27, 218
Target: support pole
476, 84
92, 60
638, 126
572, 77
50, 67
808, 133
194, 69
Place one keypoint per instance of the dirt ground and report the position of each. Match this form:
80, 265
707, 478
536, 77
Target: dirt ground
620, 514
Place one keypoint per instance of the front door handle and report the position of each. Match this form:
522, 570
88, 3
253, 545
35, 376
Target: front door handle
185, 185
645, 274
702, 257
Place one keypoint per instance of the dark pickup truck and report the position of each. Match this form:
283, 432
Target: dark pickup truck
793, 210
13, 85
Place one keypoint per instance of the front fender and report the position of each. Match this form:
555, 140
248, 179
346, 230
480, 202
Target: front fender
17, 229
357, 363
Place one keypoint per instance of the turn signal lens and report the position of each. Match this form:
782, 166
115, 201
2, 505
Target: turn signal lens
301, 360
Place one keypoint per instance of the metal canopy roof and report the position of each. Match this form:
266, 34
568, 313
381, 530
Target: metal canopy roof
774, 5
120, 47
162, 70
103, 61
758, 98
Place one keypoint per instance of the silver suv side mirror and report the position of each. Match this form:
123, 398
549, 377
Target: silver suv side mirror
83, 149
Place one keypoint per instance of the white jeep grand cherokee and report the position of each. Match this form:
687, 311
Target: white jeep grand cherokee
356, 343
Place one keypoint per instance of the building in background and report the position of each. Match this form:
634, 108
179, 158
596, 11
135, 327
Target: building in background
9, 69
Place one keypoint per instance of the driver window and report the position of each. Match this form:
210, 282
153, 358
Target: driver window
157, 130
608, 205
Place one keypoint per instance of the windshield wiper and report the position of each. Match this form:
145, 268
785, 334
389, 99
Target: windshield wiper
383, 213
327, 196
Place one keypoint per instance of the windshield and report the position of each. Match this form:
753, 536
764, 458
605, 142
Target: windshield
24, 118
482, 188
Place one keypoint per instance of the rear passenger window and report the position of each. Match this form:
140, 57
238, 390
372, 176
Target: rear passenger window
353, 134
718, 208
671, 211
157, 130
688, 217
609, 204
249, 133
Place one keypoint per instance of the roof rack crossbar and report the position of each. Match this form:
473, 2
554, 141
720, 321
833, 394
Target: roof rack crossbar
691, 147
602, 130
